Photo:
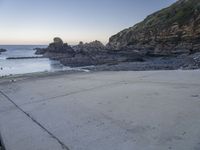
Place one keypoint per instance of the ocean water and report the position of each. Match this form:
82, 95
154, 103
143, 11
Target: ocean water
22, 66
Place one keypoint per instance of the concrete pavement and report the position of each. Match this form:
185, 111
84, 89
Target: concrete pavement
152, 110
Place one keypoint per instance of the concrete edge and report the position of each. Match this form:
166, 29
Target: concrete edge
2, 145
14, 78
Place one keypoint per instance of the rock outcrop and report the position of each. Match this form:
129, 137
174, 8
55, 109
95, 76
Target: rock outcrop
96, 54
90, 47
56, 49
59, 47
93, 53
2, 50
173, 30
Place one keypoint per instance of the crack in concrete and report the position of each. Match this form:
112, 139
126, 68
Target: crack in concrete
106, 85
36, 122
72, 93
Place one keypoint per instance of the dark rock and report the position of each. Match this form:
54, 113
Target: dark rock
80, 43
2, 50
32, 57
97, 58
56, 47
59, 48
93, 53
96, 54
40, 51
89, 47
184, 62
58, 41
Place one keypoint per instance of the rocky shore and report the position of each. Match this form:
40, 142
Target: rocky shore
167, 39
98, 57
150, 63
94, 53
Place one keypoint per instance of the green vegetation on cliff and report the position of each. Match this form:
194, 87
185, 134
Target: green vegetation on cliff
180, 13
166, 31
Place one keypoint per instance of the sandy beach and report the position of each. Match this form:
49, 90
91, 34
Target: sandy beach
147, 110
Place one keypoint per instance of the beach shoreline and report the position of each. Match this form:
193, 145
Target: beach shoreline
130, 66
27, 76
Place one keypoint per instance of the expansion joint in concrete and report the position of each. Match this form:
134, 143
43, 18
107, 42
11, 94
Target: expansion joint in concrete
35, 121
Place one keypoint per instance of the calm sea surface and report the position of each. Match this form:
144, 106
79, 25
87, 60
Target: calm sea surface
21, 66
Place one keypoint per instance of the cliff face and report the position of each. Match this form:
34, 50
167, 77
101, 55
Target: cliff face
172, 30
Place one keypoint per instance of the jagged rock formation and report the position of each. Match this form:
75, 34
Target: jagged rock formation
2, 50
90, 47
57, 48
172, 30
93, 53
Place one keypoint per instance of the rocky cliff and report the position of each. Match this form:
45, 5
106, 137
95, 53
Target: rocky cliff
173, 30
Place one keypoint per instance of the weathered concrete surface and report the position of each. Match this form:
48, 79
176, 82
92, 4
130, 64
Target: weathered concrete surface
157, 110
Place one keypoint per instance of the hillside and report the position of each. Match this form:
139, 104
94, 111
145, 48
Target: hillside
173, 30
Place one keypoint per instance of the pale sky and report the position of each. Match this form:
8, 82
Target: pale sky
38, 21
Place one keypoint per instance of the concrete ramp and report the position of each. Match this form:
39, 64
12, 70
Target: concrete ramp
153, 110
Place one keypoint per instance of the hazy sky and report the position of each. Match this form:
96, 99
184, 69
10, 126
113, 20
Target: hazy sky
38, 21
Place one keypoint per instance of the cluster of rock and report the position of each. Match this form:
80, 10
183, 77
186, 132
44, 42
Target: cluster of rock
56, 47
94, 53
173, 30
184, 62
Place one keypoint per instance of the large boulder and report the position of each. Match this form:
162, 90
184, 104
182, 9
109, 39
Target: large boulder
56, 47
58, 41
